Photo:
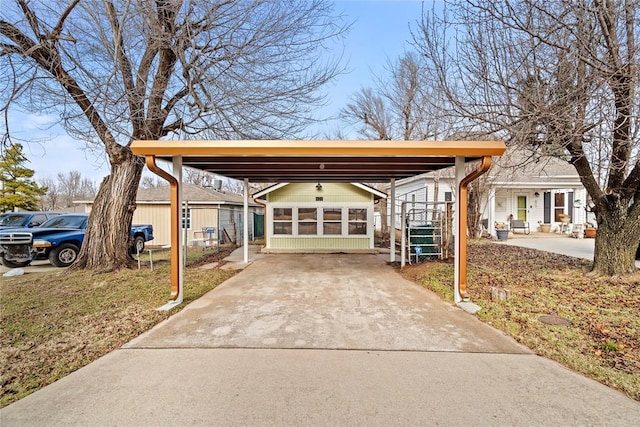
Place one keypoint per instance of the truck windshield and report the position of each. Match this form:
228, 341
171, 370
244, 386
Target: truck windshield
13, 220
65, 221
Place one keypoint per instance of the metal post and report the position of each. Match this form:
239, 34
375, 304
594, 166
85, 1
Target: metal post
403, 239
392, 237
459, 228
246, 221
177, 173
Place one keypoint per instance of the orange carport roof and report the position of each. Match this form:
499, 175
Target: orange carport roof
325, 161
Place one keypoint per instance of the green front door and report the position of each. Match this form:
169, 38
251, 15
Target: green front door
522, 208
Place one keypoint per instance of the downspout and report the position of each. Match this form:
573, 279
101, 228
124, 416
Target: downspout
175, 225
462, 218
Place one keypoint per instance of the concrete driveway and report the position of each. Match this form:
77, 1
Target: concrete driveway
322, 340
324, 301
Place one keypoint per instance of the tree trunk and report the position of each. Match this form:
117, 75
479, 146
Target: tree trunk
106, 243
384, 224
616, 243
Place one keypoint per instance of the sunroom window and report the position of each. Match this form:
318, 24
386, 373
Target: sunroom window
357, 221
283, 221
332, 221
307, 221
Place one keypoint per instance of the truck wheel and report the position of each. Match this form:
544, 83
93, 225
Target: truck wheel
64, 255
14, 264
138, 244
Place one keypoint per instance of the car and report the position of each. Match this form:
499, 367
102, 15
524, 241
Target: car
58, 239
25, 219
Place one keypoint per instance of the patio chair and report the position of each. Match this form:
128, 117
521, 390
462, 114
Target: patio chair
519, 224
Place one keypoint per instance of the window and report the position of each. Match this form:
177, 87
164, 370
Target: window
332, 221
358, 221
558, 199
307, 221
186, 218
283, 221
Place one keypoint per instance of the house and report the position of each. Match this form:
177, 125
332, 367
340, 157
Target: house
207, 214
319, 217
536, 191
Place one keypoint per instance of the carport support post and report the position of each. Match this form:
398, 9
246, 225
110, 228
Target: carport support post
246, 221
403, 238
459, 229
176, 256
177, 173
392, 223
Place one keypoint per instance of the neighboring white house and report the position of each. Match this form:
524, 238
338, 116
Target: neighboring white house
515, 188
206, 215
322, 217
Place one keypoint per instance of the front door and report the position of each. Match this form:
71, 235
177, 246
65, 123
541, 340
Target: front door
522, 208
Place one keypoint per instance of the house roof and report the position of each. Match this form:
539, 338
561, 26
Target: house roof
191, 193
518, 167
313, 161
376, 193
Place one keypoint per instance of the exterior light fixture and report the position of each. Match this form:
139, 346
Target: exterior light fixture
319, 187
536, 194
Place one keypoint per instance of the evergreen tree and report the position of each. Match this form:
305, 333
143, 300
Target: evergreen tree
18, 189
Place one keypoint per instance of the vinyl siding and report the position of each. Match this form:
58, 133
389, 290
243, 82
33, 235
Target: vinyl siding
330, 193
318, 243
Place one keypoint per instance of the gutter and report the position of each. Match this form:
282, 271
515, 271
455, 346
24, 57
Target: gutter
462, 194
150, 161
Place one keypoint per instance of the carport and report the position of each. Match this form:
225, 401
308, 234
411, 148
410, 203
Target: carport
315, 161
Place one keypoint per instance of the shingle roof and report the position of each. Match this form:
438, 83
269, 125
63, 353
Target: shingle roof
191, 193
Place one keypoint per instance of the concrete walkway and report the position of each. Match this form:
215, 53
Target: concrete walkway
564, 245
322, 340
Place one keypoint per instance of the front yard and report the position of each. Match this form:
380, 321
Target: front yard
602, 339
54, 323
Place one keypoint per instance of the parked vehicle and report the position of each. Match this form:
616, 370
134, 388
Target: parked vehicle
25, 219
140, 234
59, 239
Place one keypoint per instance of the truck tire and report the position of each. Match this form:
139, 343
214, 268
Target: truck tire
138, 244
64, 255
14, 264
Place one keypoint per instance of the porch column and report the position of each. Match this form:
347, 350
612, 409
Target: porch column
392, 223
246, 221
492, 211
458, 229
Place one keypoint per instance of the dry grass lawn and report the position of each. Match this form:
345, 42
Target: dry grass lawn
602, 340
54, 323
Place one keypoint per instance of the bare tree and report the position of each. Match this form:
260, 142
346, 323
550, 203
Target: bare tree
121, 71
370, 111
71, 187
67, 188
560, 78
148, 182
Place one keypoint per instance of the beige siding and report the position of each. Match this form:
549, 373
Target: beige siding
330, 193
160, 217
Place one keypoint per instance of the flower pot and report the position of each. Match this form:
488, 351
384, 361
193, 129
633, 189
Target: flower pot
502, 234
590, 233
545, 228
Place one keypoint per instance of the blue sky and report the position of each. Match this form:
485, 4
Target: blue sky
380, 32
